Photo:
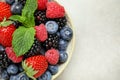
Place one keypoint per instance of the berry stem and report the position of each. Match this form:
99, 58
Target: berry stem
5, 23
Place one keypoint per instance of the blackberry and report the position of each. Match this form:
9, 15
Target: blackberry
35, 49
40, 17
22, 2
51, 42
61, 22
4, 60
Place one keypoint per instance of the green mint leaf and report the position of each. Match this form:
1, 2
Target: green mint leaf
30, 21
23, 39
18, 18
28, 12
30, 7
27, 22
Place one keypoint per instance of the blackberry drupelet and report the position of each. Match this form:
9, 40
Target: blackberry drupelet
4, 60
61, 22
40, 17
51, 42
35, 49
22, 2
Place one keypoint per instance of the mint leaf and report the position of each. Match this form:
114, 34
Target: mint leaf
18, 18
30, 7
30, 20
28, 12
23, 39
27, 22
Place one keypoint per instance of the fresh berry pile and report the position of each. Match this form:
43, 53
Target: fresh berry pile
34, 36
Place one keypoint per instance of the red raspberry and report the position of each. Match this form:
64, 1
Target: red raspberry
52, 56
42, 4
12, 56
55, 10
41, 32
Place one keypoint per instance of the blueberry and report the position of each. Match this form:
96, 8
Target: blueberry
63, 56
46, 76
22, 76
16, 8
12, 69
63, 45
52, 27
10, 1
53, 69
13, 77
66, 33
4, 75
1, 49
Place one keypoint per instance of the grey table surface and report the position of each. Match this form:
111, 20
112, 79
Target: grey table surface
97, 51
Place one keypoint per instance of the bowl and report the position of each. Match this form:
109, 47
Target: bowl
69, 49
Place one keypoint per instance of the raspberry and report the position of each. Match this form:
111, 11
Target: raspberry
41, 32
12, 56
55, 10
52, 56
42, 4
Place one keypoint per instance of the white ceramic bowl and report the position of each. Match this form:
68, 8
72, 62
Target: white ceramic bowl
69, 49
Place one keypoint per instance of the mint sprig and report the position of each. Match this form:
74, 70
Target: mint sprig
27, 17
23, 37
18, 18
30, 7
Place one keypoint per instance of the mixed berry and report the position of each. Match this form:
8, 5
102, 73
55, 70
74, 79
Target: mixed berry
34, 36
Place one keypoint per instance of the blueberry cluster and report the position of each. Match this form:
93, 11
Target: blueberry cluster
13, 72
